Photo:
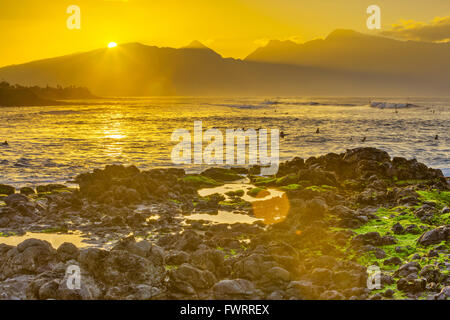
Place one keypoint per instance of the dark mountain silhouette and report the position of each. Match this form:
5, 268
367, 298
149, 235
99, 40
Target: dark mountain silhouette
197, 45
343, 64
352, 51
14, 96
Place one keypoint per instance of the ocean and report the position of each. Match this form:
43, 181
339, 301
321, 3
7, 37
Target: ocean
53, 144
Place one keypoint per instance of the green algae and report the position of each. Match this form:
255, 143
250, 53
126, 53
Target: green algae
291, 187
237, 193
258, 193
410, 182
386, 218
322, 188
55, 230
200, 181
170, 267
264, 181
287, 180
441, 198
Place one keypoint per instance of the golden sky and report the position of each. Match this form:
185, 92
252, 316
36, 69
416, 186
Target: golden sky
36, 29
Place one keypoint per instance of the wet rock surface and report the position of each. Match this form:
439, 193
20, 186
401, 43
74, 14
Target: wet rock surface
340, 215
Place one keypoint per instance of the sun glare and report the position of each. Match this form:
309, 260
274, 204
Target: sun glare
112, 45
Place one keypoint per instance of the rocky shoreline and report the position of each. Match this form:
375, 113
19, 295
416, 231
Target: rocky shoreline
339, 214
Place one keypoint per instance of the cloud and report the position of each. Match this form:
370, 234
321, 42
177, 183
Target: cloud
438, 30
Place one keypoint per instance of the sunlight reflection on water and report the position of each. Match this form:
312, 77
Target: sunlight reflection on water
54, 144
55, 239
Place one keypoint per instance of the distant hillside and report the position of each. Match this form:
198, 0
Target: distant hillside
13, 96
63, 93
346, 63
350, 51
36, 96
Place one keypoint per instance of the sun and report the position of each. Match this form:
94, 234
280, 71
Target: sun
112, 45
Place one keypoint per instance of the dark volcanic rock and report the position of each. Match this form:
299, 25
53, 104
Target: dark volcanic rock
398, 229
371, 238
302, 290
67, 251
407, 269
27, 191
318, 177
332, 295
435, 236
15, 199
236, 289
198, 279
189, 240
393, 261
29, 257
6, 189
221, 174
129, 185
413, 286
358, 154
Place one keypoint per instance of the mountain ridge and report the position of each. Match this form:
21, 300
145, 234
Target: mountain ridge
349, 50
344, 63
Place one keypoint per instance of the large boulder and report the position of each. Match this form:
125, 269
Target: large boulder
373, 154
302, 290
189, 241
405, 270
6, 189
435, 236
254, 266
29, 257
67, 251
198, 279
89, 288
318, 177
221, 174
15, 288
122, 268
237, 289
27, 191
15, 199
128, 185
208, 259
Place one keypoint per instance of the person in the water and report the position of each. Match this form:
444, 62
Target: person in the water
5, 143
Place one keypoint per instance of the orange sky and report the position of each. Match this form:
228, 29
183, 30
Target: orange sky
35, 29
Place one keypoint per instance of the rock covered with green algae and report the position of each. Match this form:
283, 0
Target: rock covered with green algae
381, 212
346, 213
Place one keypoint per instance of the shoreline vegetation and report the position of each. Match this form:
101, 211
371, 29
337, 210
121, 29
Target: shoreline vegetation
339, 215
20, 96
